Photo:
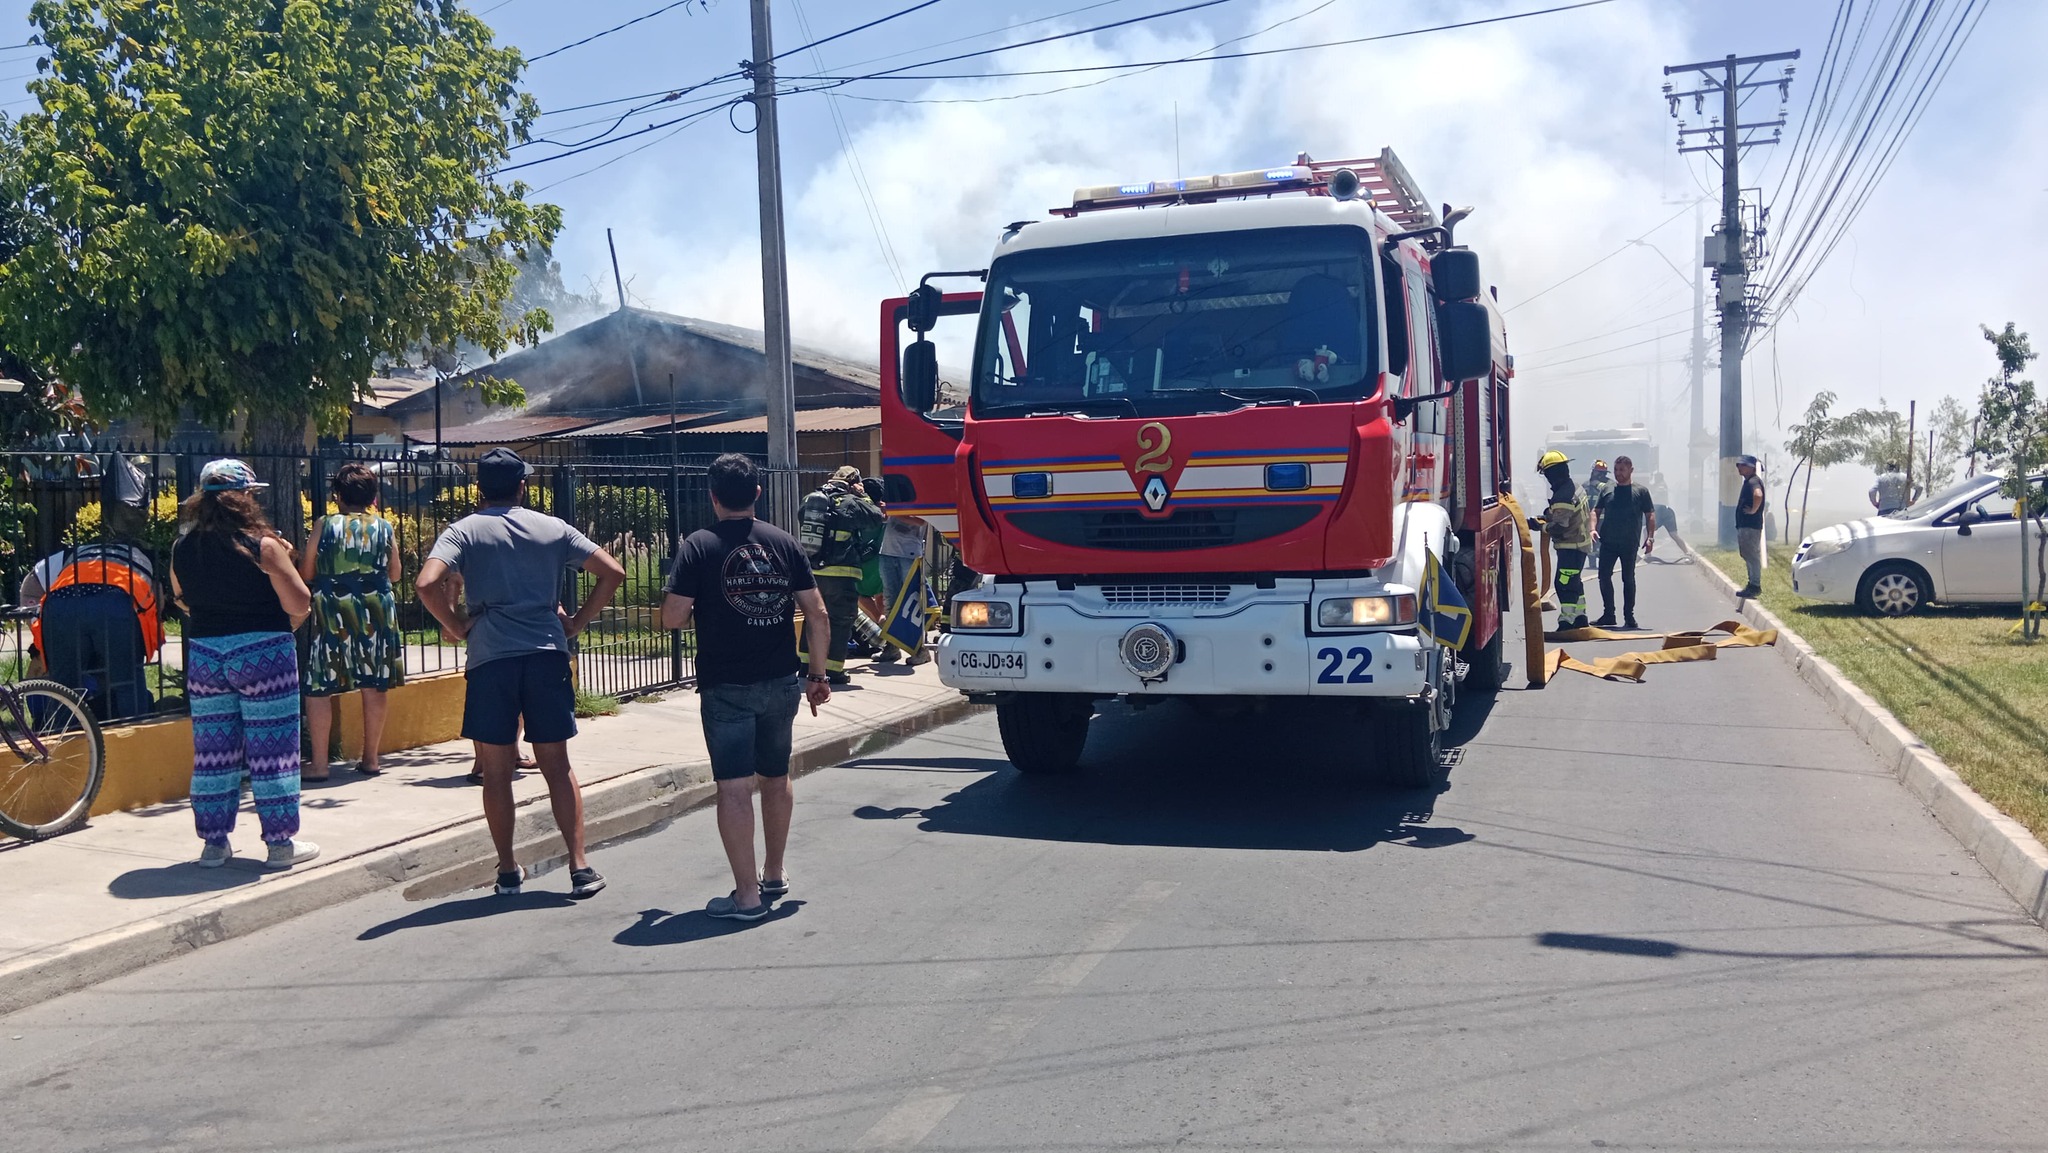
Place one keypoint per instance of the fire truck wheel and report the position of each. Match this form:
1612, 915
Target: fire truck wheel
1411, 753
1044, 732
1487, 668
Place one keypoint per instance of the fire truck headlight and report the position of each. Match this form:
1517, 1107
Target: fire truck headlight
1366, 612
983, 615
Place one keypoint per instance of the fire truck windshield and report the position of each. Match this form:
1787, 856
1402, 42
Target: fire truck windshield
1179, 324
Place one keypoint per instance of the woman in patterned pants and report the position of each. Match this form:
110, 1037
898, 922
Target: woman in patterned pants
242, 599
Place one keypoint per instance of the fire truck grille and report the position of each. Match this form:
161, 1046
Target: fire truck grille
1182, 530
1165, 594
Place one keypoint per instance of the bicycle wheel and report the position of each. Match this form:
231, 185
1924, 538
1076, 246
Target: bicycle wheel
52, 760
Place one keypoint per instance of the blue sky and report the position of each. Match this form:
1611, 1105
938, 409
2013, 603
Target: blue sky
1552, 126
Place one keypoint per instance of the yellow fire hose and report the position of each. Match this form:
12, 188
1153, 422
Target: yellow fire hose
1676, 648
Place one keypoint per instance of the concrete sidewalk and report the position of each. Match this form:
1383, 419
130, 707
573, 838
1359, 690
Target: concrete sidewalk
124, 892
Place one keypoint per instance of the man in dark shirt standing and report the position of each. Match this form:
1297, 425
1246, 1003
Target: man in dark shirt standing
1625, 517
1749, 526
742, 580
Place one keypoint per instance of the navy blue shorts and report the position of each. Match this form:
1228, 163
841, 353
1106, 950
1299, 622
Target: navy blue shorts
749, 728
534, 687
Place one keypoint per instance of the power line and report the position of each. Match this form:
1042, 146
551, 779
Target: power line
628, 136
813, 45
1218, 47
1625, 246
895, 73
614, 28
860, 177
919, 51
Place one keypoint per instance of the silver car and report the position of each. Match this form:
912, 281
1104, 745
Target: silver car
1958, 546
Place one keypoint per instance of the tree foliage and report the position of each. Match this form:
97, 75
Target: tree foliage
1950, 422
2013, 434
246, 205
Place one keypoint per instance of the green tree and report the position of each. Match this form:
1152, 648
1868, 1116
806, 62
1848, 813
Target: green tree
244, 206
1950, 423
2013, 434
1822, 440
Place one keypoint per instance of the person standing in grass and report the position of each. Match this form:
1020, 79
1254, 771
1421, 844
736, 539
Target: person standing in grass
351, 564
242, 599
743, 580
511, 560
1749, 526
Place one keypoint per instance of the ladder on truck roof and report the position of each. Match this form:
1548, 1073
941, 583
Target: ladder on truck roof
1382, 180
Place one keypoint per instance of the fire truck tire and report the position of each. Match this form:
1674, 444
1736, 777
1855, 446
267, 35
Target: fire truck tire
1044, 733
1411, 749
1487, 668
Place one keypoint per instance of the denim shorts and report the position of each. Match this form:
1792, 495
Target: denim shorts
531, 687
747, 728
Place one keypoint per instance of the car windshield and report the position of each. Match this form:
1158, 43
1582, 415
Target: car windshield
1938, 502
1180, 324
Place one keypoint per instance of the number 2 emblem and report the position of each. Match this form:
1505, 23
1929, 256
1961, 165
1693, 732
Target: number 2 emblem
1332, 673
1152, 457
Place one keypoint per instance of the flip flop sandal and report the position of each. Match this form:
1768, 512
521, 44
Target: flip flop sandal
775, 890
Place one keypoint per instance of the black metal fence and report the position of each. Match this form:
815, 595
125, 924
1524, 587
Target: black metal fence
639, 509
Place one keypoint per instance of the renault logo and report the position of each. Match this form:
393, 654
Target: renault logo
1155, 493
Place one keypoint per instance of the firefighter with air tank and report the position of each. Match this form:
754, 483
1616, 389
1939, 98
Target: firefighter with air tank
1568, 525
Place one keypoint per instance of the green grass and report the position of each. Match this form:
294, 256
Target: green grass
1957, 676
590, 704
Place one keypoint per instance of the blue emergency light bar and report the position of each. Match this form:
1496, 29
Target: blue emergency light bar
1291, 178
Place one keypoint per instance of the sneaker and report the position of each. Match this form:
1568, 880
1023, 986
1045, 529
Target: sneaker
775, 890
1747, 591
1630, 623
212, 856
585, 882
728, 909
285, 854
1606, 622
509, 881
888, 656
838, 679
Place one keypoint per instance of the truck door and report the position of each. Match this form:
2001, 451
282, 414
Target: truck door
918, 473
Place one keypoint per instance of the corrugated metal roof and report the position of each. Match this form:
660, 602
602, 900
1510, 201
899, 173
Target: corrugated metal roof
807, 420
627, 426
508, 431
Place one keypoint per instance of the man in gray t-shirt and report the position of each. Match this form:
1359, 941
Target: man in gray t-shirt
511, 560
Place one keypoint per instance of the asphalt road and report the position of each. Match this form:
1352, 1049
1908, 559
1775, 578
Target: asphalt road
1692, 914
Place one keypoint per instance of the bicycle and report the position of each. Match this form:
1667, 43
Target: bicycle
54, 759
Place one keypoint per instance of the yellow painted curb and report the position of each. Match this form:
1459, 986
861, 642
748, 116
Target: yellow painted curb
147, 764
423, 711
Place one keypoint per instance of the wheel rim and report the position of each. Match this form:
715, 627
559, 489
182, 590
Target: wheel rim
1895, 593
44, 793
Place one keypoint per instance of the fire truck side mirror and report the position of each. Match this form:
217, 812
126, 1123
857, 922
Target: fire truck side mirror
921, 310
1455, 272
919, 383
1464, 340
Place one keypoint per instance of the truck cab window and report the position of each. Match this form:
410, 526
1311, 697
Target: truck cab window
1178, 325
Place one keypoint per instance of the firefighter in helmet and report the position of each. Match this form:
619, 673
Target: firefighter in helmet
1566, 522
839, 527
1598, 484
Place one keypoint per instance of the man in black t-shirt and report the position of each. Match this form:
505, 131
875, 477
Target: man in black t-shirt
1749, 526
743, 580
1625, 518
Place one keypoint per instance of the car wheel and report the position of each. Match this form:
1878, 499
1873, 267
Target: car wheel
1893, 589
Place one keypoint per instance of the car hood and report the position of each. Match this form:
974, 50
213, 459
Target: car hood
1849, 532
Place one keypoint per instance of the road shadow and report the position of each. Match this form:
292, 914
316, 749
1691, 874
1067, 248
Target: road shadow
661, 927
928, 764
469, 909
1292, 777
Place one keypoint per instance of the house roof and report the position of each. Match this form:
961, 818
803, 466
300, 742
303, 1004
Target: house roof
622, 364
511, 430
807, 420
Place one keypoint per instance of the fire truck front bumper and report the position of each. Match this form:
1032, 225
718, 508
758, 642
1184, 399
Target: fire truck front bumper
1258, 650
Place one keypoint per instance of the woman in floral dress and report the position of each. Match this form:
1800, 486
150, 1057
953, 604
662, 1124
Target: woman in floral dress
351, 564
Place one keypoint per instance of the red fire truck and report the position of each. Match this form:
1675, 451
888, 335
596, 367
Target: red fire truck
1223, 439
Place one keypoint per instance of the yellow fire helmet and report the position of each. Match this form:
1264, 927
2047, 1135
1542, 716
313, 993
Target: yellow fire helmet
1551, 459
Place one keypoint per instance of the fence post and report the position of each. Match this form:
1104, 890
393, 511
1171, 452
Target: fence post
565, 508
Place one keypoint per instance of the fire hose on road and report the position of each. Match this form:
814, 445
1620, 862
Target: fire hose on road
1676, 647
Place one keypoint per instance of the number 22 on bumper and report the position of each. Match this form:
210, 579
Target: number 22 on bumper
1334, 672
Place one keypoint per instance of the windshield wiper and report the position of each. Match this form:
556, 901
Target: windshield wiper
1074, 407
1291, 390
